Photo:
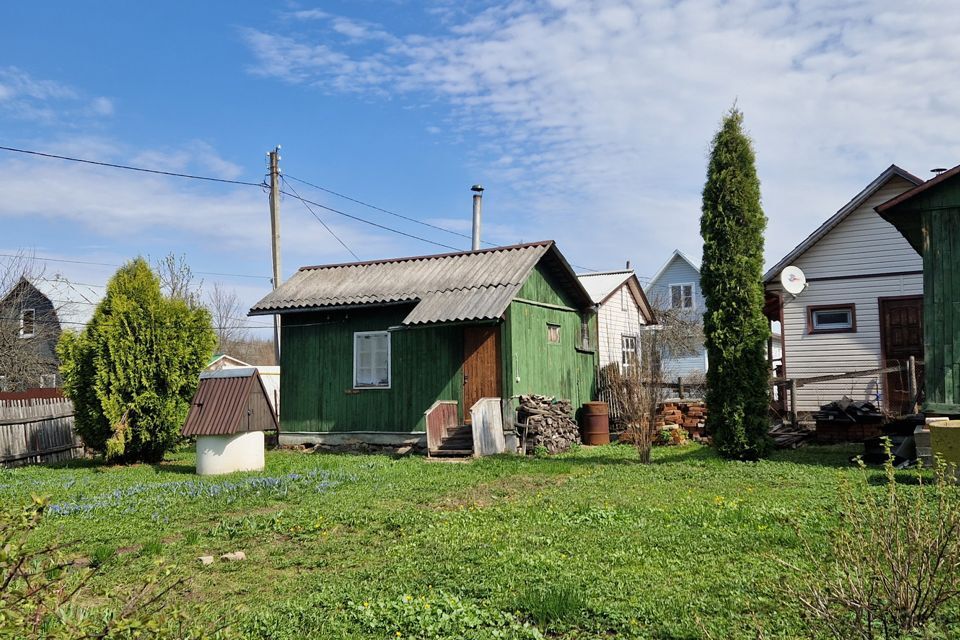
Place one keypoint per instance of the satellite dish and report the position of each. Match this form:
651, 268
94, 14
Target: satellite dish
793, 280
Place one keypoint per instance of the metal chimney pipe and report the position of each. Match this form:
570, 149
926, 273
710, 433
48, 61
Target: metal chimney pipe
477, 197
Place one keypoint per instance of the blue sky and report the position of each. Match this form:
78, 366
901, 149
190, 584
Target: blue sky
588, 122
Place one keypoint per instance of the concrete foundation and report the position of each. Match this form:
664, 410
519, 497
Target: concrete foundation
226, 454
358, 440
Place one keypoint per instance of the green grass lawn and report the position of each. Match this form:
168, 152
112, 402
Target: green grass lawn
585, 545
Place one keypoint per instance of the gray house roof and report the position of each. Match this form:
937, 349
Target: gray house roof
838, 217
472, 285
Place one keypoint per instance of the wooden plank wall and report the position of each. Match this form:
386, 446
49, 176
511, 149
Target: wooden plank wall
37, 430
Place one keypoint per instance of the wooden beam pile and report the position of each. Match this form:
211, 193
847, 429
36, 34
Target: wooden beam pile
790, 435
548, 423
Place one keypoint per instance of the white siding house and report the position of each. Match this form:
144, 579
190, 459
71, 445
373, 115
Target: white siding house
677, 285
622, 312
858, 311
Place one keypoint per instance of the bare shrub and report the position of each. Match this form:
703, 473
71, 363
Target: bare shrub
635, 388
233, 338
38, 587
894, 559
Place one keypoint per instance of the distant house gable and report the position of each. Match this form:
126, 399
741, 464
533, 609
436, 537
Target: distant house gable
677, 284
679, 271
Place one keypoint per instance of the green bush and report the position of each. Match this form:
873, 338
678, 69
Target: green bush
133, 370
735, 329
893, 564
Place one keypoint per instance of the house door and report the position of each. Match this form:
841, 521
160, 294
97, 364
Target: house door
901, 336
481, 366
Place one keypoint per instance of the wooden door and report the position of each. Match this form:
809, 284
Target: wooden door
901, 336
481, 366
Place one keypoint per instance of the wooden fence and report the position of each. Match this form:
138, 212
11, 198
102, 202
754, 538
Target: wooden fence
788, 386
37, 430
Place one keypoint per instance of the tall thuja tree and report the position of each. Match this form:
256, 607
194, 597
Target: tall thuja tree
133, 370
735, 329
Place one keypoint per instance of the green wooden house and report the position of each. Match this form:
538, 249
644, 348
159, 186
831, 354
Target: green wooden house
369, 348
928, 216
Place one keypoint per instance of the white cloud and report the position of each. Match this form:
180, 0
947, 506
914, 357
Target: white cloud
102, 106
606, 107
45, 101
126, 208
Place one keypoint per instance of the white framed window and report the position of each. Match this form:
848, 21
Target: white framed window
629, 350
553, 333
28, 323
681, 296
48, 381
371, 360
840, 318
624, 303
3, 383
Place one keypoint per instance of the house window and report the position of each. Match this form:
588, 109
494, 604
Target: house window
681, 296
623, 300
629, 351
28, 323
371, 360
553, 333
832, 319
48, 381
585, 332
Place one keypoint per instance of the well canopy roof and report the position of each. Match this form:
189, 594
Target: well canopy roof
451, 287
230, 401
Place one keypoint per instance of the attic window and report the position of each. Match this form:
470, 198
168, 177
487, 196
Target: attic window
681, 296
832, 319
371, 360
28, 323
553, 333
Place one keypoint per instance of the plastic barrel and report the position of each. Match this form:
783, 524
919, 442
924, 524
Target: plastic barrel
596, 423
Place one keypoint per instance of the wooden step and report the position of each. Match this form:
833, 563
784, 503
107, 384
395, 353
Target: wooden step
452, 453
459, 430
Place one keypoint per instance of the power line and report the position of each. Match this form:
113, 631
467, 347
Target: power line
407, 218
109, 264
387, 211
262, 184
370, 222
320, 220
132, 168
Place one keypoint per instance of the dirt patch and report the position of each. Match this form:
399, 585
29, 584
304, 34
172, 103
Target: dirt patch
504, 489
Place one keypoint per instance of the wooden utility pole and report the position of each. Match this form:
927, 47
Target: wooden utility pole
275, 237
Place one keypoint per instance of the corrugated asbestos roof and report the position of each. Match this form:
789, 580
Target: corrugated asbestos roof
474, 285
222, 401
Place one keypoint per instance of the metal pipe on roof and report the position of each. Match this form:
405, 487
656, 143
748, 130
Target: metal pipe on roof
477, 198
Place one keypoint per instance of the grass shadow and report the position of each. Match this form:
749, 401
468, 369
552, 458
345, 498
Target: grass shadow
173, 467
837, 456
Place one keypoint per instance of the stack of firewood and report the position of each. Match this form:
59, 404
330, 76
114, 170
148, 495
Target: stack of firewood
548, 423
689, 415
